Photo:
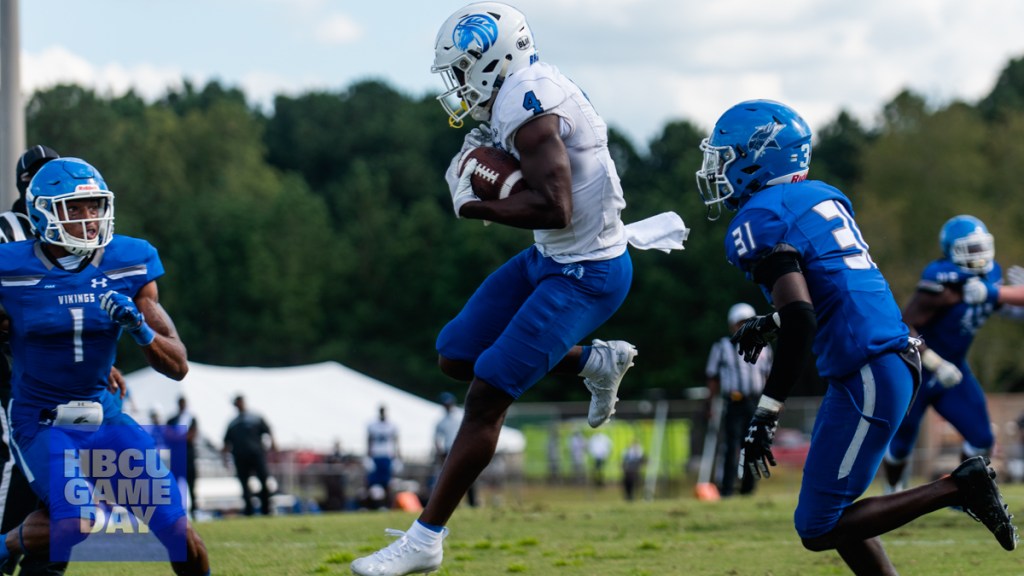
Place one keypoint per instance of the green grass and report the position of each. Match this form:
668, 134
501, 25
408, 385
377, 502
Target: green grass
583, 531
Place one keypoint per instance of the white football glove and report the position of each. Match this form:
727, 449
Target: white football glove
945, 372
1015, 275
482, 135
975, 291
463, 191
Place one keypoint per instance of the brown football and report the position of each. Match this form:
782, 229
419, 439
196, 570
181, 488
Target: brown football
497, 174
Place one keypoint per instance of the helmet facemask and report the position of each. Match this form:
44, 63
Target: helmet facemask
64, 228
459, 99
974, 253
712, 184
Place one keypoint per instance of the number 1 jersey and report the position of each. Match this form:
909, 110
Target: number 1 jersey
63, 344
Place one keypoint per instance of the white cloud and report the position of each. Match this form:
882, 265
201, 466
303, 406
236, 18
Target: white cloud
57, 65
338, 29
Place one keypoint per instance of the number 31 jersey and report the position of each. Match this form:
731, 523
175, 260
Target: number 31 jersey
858, 318
63, 344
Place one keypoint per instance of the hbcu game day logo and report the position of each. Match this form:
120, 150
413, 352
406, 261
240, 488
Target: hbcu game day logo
110, 501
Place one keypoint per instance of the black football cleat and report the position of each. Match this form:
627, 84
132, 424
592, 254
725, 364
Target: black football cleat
975, 480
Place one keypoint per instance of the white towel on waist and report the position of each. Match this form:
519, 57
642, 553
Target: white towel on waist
665, 232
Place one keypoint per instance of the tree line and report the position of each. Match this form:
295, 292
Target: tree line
323, 230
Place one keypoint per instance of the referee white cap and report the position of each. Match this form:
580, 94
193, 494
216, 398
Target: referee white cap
740, 312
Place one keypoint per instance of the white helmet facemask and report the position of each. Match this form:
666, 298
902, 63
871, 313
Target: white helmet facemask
71, 233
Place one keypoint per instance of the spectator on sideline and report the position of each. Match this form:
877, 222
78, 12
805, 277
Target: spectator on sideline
185, 419
633, 460
382, 451
444, 437
599, 446
244, 439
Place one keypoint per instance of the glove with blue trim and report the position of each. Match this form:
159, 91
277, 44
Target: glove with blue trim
122, 310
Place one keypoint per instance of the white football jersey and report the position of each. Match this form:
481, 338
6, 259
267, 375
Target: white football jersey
596, 231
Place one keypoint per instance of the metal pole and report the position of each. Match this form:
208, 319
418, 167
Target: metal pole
12, 110
658, 436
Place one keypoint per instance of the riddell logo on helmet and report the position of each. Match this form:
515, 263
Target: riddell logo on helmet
799, 177
86, 188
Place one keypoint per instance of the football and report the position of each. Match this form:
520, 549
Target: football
497, 175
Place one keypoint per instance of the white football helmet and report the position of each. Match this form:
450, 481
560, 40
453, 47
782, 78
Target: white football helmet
476, 48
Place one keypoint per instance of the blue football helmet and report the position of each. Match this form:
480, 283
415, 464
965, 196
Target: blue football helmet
475, 49
967, 243
53, 199
755, 144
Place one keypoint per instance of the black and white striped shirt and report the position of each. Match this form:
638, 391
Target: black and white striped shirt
14, 227
733, 373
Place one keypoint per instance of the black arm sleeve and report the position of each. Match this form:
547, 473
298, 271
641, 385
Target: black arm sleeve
792, 350
782, 260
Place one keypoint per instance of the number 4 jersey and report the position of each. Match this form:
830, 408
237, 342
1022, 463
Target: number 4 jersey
858, 318
63, 344
596, 231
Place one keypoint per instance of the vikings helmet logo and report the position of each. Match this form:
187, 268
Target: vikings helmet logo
476, 29
763, 138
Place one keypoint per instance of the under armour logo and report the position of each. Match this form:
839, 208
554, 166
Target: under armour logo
99, 282
573, 270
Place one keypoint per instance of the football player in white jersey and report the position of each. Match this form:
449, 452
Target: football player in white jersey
525, 319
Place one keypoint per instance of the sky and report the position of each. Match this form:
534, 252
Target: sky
643, 63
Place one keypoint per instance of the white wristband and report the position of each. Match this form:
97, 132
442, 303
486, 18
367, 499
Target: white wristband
770, 404
777, 319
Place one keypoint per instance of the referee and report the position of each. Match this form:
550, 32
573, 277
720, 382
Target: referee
739, 384
17, 499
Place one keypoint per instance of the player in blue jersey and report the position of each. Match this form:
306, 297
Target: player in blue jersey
68, 296
955, 296
798, 241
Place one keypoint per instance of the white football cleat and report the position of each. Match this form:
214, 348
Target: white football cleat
616, 358
401, 557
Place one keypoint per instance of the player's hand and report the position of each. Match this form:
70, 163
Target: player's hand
463, 193
754, 334
1015, 275
482, 135
122, 310
945, 372
756, 452
116, 383
948, 374
976, 290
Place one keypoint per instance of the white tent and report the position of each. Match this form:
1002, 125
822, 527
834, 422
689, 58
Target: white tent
306, 407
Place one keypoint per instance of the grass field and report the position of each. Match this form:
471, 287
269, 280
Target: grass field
584, 531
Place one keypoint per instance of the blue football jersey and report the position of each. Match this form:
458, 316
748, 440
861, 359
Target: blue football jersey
951, 330
63, 344
858, 318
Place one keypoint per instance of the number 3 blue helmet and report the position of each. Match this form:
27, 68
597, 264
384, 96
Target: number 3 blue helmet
476, 49
52, 201
755, 144
967, 243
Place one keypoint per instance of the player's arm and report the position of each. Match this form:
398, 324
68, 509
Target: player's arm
547, 203
166, 353
928, 300
148, 324
795, 326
